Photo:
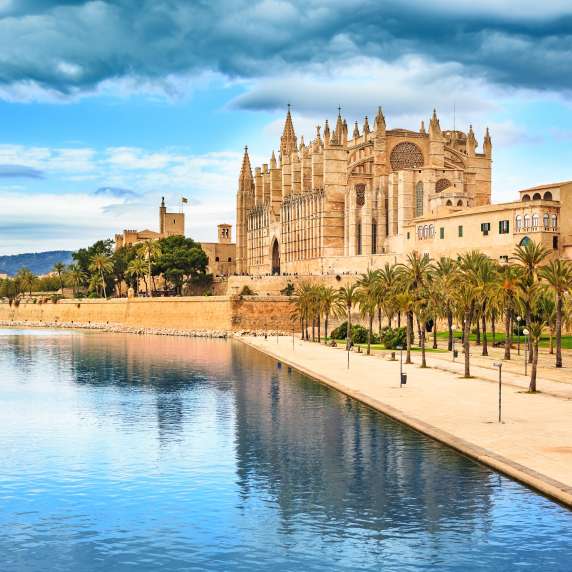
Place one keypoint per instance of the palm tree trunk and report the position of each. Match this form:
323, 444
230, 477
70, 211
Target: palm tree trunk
103, 284
507, 335
409, 317
435, 334
532, 386
319, 328
528, 321
349, 333
478, 328
379, 319
494, 327
369, 333
422, 343
450, 329
466, 343
558, 330
326, 327
485, 351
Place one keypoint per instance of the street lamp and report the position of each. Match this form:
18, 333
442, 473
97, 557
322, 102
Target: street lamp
518, 319
499, 365
402, 376
525, 332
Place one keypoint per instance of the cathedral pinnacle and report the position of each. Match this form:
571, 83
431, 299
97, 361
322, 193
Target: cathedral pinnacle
380, 121
356, 131
434, 126
273, 160
246, 169
422, 127
366, 129
471, 142
288, 139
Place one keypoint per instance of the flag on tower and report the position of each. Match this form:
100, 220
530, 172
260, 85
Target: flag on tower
184, 200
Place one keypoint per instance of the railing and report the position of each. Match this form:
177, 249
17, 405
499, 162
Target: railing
540, 228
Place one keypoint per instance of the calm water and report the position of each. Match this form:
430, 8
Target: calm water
129, 453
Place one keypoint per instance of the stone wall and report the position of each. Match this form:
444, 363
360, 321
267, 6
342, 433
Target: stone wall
221, 313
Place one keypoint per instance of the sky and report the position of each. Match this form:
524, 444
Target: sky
106, 106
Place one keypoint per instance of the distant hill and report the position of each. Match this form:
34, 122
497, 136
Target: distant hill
37, 262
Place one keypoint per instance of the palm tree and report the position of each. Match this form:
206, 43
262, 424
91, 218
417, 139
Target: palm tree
76, 277
530, 257
101, 265
349, 297
424, 312
487, 280
506, 295
386, 285
151, 250
59, 268
558, 275
367, 295
443, 289
330, 306
536, 325
137, 269
404, 303
26, 279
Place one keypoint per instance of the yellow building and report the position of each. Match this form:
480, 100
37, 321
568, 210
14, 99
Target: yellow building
345, 204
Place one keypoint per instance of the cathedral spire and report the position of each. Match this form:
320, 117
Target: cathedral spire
273, 160
366, 128
434, 126
380, 122
487, 144
246, 180
356, 131
471, 142
288, 139
326, 132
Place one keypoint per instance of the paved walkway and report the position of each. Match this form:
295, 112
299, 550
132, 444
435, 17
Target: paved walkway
533, 443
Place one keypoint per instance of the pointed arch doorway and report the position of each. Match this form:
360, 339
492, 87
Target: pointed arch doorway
275, 257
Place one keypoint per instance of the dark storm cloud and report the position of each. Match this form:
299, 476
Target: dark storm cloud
71, 47
19, 172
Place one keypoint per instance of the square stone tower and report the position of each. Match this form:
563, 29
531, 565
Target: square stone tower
224, 233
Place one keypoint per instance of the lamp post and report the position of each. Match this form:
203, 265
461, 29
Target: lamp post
499, 365
454, 329
518, 319
525, 332
402, 377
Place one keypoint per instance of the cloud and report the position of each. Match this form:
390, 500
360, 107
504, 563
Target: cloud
68, 48
115, 192
20, 172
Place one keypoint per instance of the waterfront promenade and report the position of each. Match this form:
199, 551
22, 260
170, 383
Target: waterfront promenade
533, 444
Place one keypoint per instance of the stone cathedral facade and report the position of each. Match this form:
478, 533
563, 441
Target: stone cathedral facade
350, 199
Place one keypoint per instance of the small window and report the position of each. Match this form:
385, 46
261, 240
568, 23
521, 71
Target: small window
555, 242
535, 221
504, 258
217, 259
525, 198
431, 231
536, 197
485, 228
503, 226
546, 221
442, 232
547, 196
460, 231
526, 222
408, 235
554, 222
229, 259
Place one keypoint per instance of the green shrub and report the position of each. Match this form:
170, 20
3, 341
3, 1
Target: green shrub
391, 338
359, 334
247, 291
288, 290
341, 332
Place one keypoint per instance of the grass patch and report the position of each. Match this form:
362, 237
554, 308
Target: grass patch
544, 340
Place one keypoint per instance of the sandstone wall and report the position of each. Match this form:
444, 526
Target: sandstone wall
186, 313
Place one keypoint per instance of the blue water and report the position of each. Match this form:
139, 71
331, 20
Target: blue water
127, 453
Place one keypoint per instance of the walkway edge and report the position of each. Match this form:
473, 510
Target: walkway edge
533, 479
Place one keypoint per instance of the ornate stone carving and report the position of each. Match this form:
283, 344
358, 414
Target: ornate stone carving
360, 195
406, 155
442, 184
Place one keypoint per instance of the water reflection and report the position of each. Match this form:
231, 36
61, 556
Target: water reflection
138, 453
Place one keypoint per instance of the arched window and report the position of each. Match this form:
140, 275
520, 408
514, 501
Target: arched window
547, 196
460, 203
419, 232
526, 222
536, 197
425, 231
525, 197
431, 231
524, 241
449, 204
374, 237
518, 222
442, 184
406, 155
554, 222
535, 221
217, 259
546, 221
419, 199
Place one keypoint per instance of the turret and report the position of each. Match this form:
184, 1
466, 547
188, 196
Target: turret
436, 142
379, 123
162, 213
422, 128
434, 126
244, 202
471, 142
326, 133
487, 144
356, 131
